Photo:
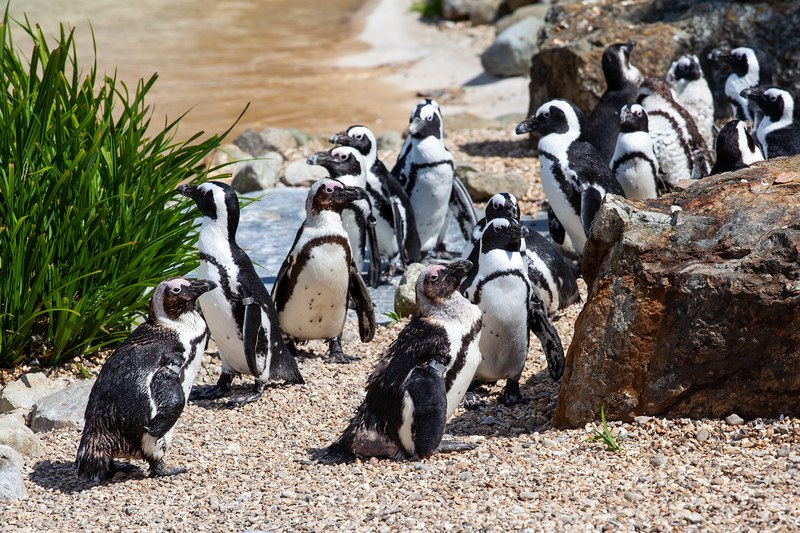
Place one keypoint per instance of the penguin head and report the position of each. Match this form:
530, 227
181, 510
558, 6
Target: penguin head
502, 204
426, 120
654, 92
216, 201
745, 60
503, 234
341, 161
632, 117
556, 116
686, 68
776, 102
734, 144
359, 137
438, 283
331, 195
176, 296
617, 68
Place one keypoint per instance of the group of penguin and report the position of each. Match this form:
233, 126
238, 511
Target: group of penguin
475, 313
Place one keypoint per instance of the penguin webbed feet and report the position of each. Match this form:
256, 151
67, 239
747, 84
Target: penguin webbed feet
441, 252
511, 394
159, 469
471, 400
336, 354
388, 274
250, 397
212, 392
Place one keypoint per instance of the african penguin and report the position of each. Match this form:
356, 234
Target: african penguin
690, 89
396, 226
142, 388
779, 130
622, 80
751, 69
574, 177
425, 170
239, 312
736, 148
346, 164
634, 162
679, 147
315, 279
420, 380
501, 289
548, 271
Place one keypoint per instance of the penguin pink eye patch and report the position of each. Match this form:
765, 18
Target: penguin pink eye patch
433, 272
177, 283
330, 187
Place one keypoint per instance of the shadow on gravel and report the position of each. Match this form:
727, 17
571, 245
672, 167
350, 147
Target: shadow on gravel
518, 149
60, 476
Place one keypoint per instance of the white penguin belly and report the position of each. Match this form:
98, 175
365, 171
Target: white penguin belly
668, 149
464, 377
430, 200
354, 234
387, 242
561, 206
504, 337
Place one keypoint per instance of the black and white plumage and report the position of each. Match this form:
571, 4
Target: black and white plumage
634, 163
622, 80
678, 145
779, 130
574, 177
396, 228
690, 89
421, 379
736, 148
425, 170
511, 307
142, 388
239, 312
548, 271
316, 278
751, 69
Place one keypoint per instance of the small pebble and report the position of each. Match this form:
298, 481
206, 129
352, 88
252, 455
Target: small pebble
783, 451
702, 435
734, 420
642, 420
658, 460
213, 502
465, 476
549, 443
633, 497
695, 518
488, 421
527, 495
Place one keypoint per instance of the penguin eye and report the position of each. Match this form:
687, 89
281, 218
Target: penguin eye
429, 118
638, 113
773, 98
737, 55
359, 136
546, 114
329, 189
343, 157
496, 229
176, 290
434, 277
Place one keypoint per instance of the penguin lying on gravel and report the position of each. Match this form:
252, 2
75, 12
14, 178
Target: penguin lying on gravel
634, 163
751, 70
314, 281
500, 287
240, 313
422, 377
142, 388
690, 89
779, 130
736, 148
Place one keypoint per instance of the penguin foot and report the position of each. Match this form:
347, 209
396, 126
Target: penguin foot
440, 252
511, 395
336, 355
471, 401
244, 399
292, 348
214, 391
388, 274
159, 469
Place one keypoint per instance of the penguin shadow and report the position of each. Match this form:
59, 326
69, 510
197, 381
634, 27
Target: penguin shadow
226, 403
521, 148
61, 476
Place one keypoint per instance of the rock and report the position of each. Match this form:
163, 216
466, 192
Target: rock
23, 393
702, 435
258, 174
251, 142
694, 518
481, 186
514, 5
301, 137
526, 495
456, 9
11, 457
12, 485
549, 443
63, 409
279, 140
389, 140
633, 497
230, 158
483, 11
301, 174
405, 297
642, 420
538, 11
658, 460
692, 314
734, 420
349, 336
14, 433
511, 52
468, 121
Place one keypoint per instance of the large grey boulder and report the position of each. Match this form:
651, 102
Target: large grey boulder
12, 484
483, 11
301, 174
405, 297
278, 140
514, 5
232, 157
23, 393
456, 9
511, 52
538, 11
14, 433
251, 142
482, 186
64, 409
10, 456
258, 174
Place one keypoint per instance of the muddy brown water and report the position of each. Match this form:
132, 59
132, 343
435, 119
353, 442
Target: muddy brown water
214, 56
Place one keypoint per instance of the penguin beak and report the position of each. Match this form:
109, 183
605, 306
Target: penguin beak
753, 93
320, 158
350, 194
340, 138
720, 54
415, 126
629, 46
624, 115
200, 286
188, 190
458, 269
528, 125
518, 231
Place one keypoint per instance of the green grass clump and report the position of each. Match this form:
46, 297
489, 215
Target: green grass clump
605, 436
86, 225
429, 9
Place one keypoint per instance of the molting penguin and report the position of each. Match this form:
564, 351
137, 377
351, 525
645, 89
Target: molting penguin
142, 388
574, 177
422, 377
239, 312
425, 169
690, 89
750, 70
396, 228
679, 147
501, 289
634, 162
735, 148
622, 80
548, 271
779, 130
319, 273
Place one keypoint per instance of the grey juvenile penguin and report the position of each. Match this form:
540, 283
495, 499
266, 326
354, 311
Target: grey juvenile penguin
690, 89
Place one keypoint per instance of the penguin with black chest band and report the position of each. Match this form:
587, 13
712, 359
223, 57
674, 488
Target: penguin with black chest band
396, 228
425, 170
779, 130
346, 164
574, 176
690, 89
142, 388
421, 379
622, 80
314, 281
736, 148
634, 163
548, 271
511, 307
239, 312
751, 69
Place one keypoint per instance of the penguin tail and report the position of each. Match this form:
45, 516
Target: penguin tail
284, 366
94, 460
364, 440
341, 451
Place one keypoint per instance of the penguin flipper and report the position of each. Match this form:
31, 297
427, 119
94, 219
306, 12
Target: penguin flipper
462, 209
166, 392
591, 199
540, 325
473, 258
374, 256
557, 231
364, 308
425, 386
250, 328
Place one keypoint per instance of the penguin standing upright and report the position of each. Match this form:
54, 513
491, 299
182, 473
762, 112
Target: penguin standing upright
421, 379
239, 312
779, 130
736, 148
634, 163
548, 271
678, 145
396, 228
751, 69
574, 177
622, 81
319, 273
425, 170
142, 388
501, 289
690, 89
